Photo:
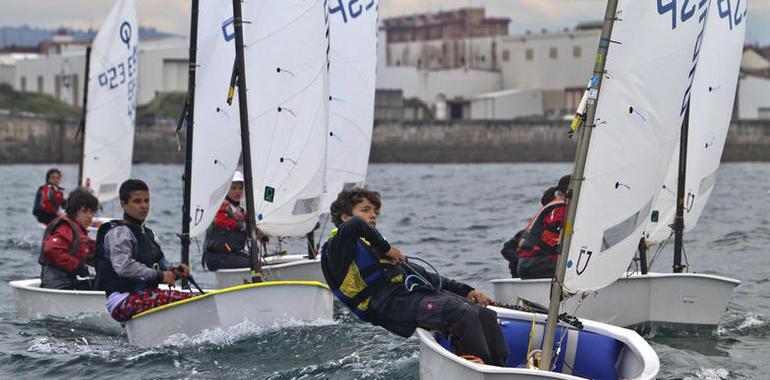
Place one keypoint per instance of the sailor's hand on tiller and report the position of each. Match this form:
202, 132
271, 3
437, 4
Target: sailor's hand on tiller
479, 298
169, 277
182, 270
396, 255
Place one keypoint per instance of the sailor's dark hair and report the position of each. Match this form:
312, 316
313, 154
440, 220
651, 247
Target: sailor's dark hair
131, 185
51, 171
548, 195
564, 183
349, 198
79, 199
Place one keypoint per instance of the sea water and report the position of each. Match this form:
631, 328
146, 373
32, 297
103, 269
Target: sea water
455, 216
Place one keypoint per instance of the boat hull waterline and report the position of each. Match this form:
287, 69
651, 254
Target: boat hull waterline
34, 302
597, 351
677, 299
276, 268
263, 305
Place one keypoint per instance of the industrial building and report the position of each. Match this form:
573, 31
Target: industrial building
458, 64
58, 66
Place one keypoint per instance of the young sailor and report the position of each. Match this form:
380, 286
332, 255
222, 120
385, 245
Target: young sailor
539, 245
49, 197
66, 247
226, 237
376, 282
129, 262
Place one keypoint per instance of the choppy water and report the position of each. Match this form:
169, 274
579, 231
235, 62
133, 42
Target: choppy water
456, 216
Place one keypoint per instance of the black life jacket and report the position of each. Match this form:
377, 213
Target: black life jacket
532, 240
220, 240
63, 219
366, 274
148, 253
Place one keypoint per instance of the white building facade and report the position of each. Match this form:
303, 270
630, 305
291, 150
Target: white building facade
162, 68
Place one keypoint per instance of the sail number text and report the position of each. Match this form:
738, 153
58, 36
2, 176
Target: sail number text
685, 9
120, 74
353, 9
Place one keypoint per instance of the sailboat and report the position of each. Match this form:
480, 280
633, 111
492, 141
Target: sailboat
111, 82
107, 124
689, 300
637, 98
352, 69
277, 32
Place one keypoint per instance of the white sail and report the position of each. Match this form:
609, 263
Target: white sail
216, 127
286, 47
640, 109
111, 109
711, 109
353, 61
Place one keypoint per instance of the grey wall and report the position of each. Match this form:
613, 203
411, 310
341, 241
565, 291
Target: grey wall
32, 139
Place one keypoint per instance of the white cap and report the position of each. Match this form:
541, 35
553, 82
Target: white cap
238, 176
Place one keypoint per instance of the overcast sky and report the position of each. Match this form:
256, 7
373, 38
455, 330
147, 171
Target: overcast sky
173, 15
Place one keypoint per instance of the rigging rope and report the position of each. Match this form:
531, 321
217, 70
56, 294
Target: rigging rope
419, 279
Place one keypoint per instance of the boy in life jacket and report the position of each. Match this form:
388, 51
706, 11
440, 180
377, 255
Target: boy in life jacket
129, 261
49, 198
511, 247
539, 245
371, 278
226, 237
66, 247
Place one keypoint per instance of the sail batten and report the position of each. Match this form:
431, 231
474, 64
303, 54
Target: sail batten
111, 110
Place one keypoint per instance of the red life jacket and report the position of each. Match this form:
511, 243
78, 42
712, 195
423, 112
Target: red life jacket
540, 237
63, 219
52, 198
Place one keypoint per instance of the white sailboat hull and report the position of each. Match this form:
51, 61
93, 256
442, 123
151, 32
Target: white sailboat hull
34, 302
262, 305
632, 357
277, 268
655, 298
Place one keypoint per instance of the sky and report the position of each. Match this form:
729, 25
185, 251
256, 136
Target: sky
173, 15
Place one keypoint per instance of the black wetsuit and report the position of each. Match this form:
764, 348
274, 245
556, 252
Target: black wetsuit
473, 328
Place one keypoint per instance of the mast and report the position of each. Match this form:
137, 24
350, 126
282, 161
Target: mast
573, 193
679, 217
188, 151
82, 129
256, 265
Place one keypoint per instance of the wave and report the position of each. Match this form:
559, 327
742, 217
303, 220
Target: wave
231, 335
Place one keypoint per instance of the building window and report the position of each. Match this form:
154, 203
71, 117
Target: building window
552, 53
57, 86
23, 84
40, 83
576, 52
75, 91
506, 55
529, 54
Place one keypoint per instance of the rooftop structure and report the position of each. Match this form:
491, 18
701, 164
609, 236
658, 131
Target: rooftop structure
455, 24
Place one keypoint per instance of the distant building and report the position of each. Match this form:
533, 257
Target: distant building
448, 58
753, 95
464, 65
507, 104
443, 57
58, 68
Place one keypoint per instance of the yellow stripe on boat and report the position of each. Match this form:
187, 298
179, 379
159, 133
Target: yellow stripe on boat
227, 290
